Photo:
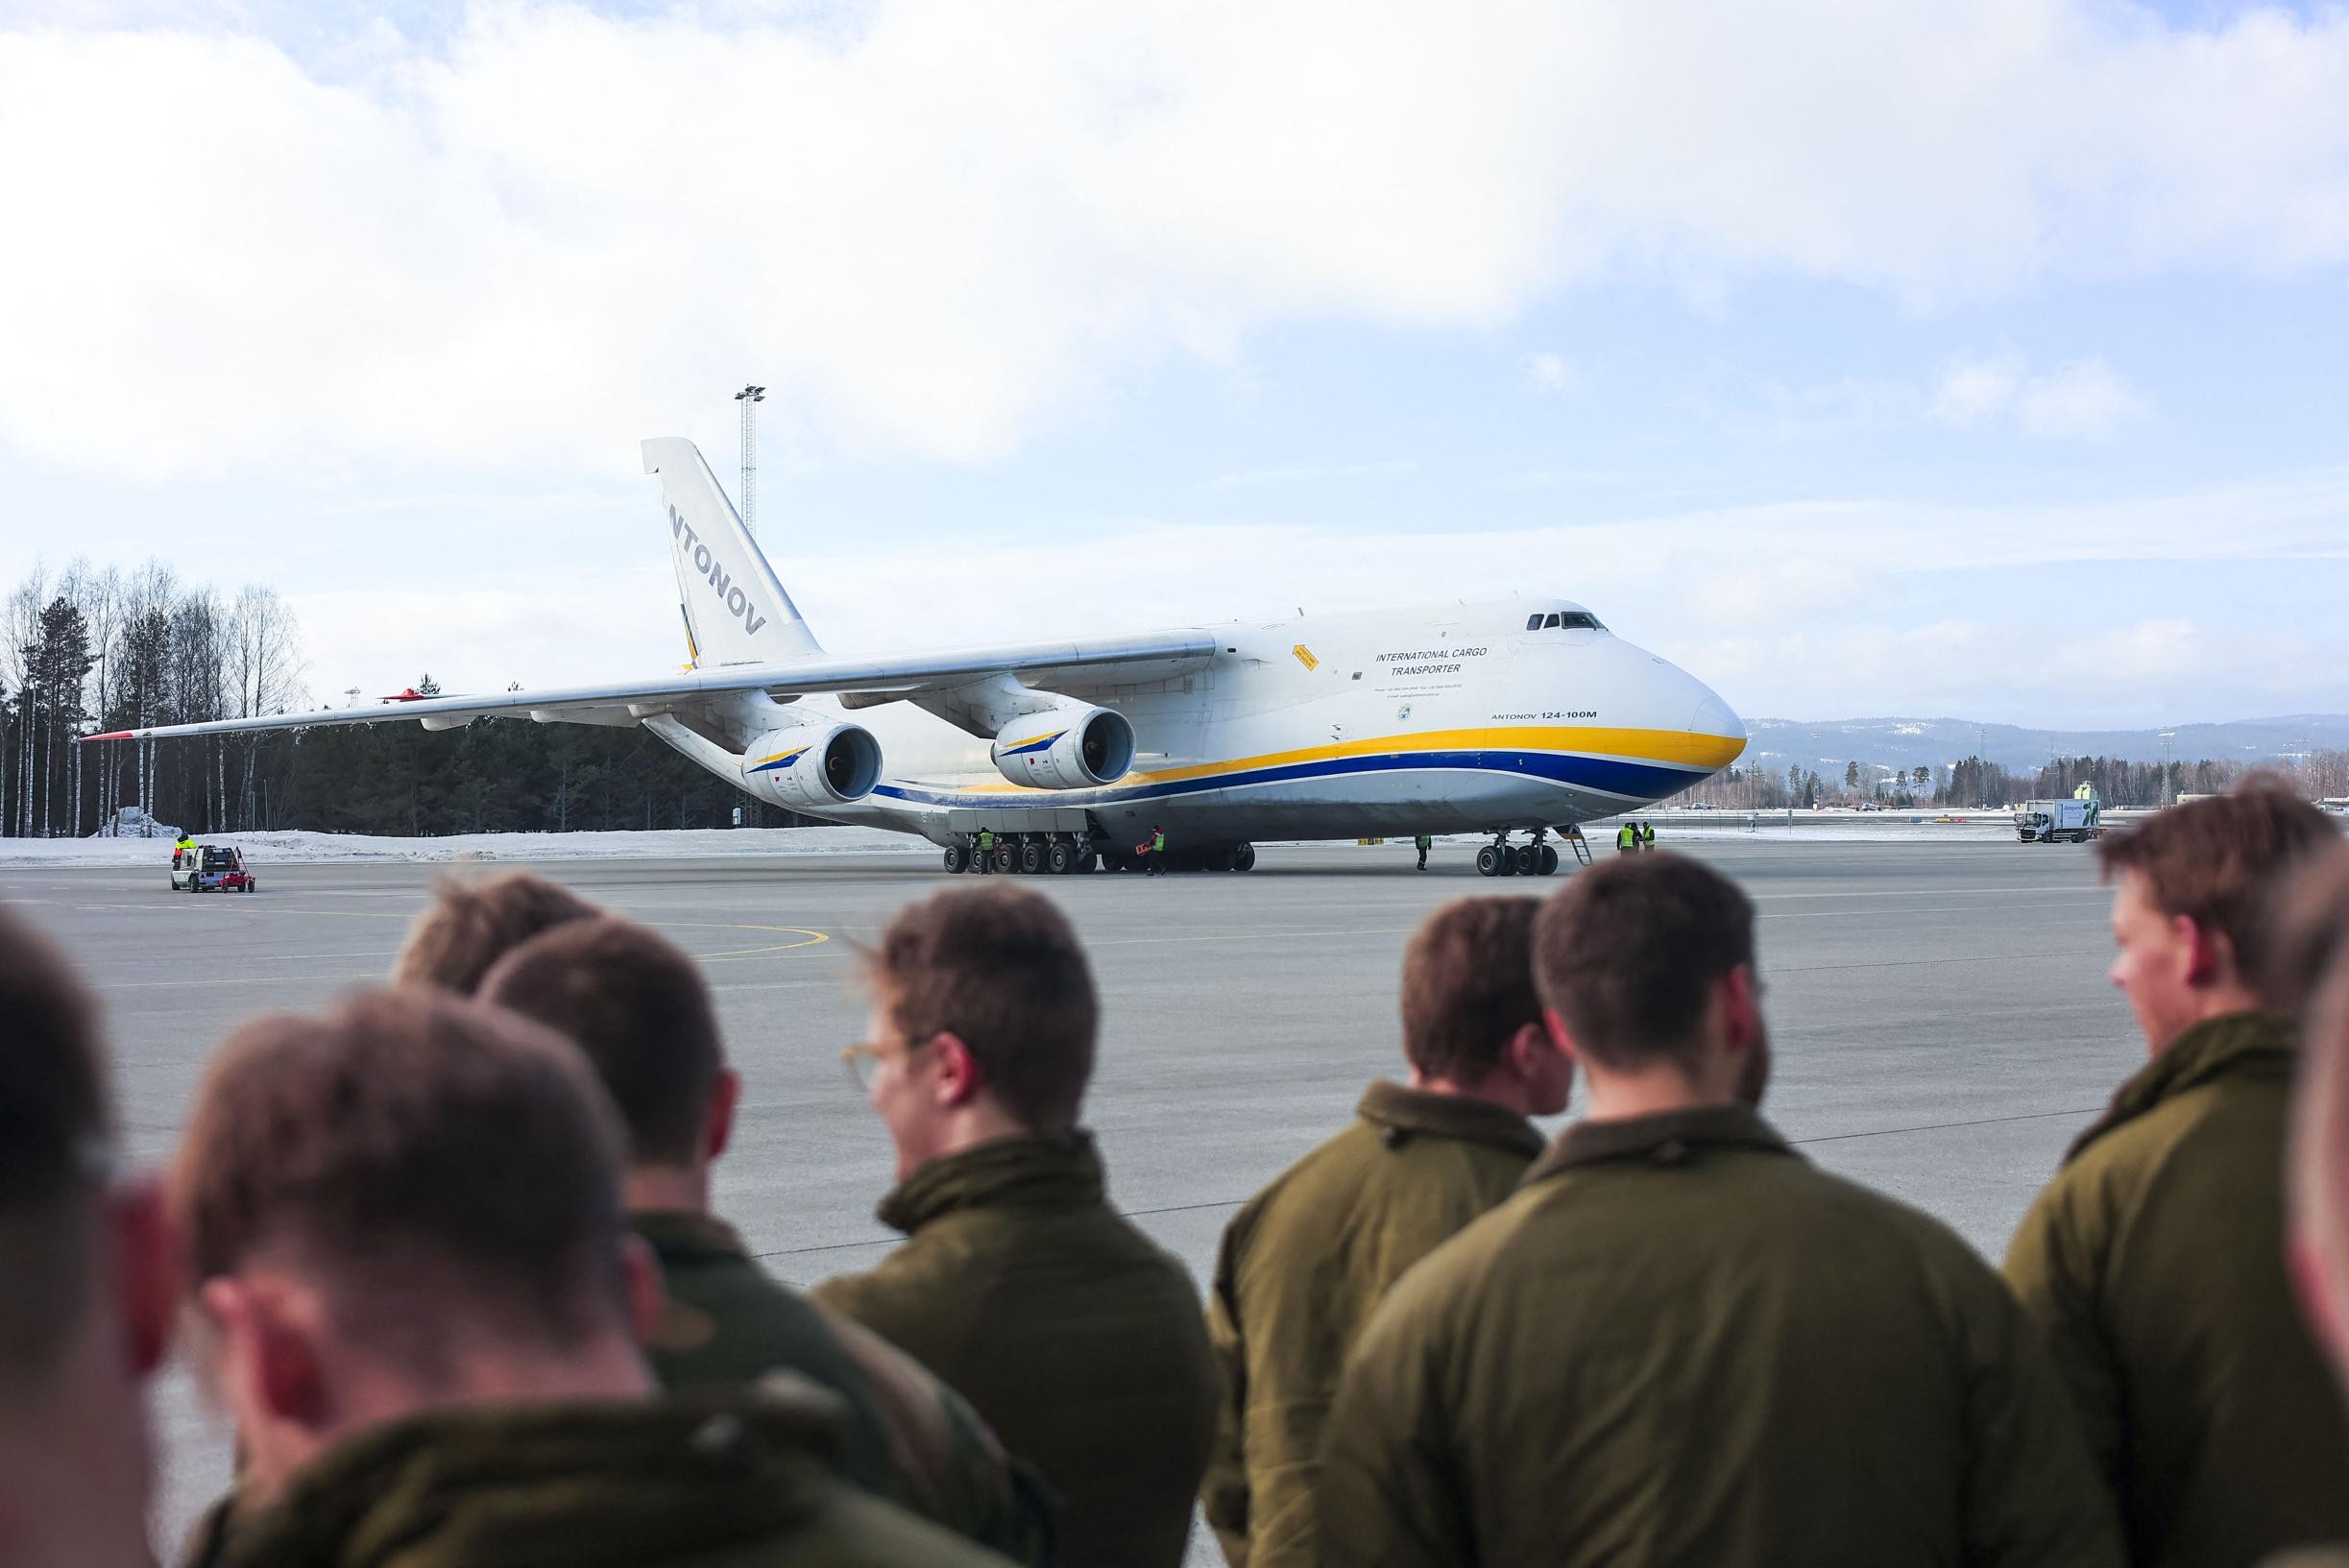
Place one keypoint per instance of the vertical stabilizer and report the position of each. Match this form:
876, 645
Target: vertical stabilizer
736, 610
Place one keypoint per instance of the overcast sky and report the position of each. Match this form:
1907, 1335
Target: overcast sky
1864, 357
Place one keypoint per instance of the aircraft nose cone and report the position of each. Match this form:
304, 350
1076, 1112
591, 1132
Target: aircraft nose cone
1713, 716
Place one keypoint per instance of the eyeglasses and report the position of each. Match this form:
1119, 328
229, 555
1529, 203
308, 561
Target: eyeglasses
864, 1059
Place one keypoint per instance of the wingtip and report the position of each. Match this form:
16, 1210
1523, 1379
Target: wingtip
110, 735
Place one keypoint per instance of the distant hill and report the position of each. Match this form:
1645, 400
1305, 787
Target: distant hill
1825, 745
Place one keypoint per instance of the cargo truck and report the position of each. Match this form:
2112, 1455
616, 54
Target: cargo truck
2056, 822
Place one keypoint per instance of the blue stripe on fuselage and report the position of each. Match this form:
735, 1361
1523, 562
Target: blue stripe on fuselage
1610, 775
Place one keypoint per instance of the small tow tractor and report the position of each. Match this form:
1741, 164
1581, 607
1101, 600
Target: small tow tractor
214, 868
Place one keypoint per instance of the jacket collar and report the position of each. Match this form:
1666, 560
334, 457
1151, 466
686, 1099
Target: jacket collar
1404, 1110
571, 1482
682, 1235
1057, 1173
2232, 1045
1666, 1138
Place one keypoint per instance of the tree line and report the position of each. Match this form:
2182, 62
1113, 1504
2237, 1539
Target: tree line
1974, 784
90, 650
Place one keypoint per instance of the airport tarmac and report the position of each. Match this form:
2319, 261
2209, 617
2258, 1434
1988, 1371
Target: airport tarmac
1940, 1010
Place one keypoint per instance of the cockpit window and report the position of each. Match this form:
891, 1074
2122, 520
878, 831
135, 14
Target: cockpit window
1550, 619
1579, 620
1533, 623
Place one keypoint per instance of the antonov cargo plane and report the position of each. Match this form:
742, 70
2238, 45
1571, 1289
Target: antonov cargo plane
1519, 715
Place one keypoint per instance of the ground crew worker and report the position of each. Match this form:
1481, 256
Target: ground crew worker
1301, 1267
641, 1013
1078, 1340
183, 850
1627, 838
406, 1361
1421, 843
1647, 836
1781, 1366
1157, 852
2154, 1261
986, 850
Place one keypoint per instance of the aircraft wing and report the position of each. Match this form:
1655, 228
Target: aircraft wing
1103, 661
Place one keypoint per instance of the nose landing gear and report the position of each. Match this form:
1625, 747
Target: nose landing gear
1536, 857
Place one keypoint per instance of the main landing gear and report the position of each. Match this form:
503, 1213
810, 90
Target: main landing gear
1030, 855
1536, 857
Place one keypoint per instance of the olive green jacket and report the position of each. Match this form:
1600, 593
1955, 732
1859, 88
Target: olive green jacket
1298, 1273
2155, 1264
744, 1480
909, 1437
1078, 1341
1679, 1344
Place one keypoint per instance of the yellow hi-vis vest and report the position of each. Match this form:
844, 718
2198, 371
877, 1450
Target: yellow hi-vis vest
1626, 837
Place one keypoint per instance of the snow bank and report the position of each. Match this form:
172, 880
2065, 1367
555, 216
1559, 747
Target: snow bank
265, 849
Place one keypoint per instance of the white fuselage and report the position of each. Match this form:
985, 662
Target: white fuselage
1452, 719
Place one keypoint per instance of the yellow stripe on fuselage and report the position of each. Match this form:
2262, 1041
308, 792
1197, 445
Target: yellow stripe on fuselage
1686, 747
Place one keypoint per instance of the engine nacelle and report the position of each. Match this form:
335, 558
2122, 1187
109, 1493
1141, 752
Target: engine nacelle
812, 767
1065, 748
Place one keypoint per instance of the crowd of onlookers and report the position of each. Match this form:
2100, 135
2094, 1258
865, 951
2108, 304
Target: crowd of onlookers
445, 1256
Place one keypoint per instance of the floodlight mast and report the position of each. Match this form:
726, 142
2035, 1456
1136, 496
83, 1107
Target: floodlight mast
746, 398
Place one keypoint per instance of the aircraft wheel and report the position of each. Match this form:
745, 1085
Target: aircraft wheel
1525, 860
956, 858
1060, 859
1031, 857
1003, 858
1549, 859
1488, 861
1245, 859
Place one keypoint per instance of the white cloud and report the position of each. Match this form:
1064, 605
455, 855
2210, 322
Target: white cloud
1549, 371
2085, 399
930, 229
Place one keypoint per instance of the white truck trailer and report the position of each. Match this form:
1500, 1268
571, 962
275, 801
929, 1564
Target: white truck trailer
2076, 820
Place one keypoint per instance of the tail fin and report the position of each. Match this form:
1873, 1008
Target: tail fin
736, 610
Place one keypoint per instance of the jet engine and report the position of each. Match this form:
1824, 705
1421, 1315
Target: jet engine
1065, 748
813, 767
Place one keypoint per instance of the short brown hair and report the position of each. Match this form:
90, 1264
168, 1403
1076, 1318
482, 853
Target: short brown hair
635, 1003
471, 925
410, 1141
2218, 862
54, 1130
1629, 952
1000, 967
1468, 986
2302, 930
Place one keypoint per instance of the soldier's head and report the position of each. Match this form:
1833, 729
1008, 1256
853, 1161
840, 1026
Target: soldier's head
637, 1005
983, 1025
2314, 921
2189, 886
1472, 1020
410, 1202
1645, 968
85, 1280
471, 925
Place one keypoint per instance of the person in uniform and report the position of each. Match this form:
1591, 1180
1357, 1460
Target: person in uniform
182, 851
1076, 1339
403, 1246
1679, 1343
640, 1011
1627, 838
1647, 836
2154, 1261
1304, 1264
1157, 857
1421, 843
987, 851
86, 1298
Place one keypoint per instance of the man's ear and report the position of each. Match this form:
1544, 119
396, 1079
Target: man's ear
724, 1095
1740, 1001
646, 1293
2210, 958
145, 1278
270, 1352
1525, 1050
959, 1078
1558, 1036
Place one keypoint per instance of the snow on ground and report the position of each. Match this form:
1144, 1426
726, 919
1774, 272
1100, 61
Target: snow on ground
264, 849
